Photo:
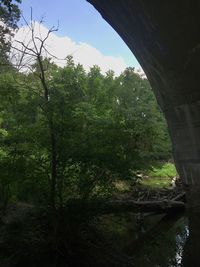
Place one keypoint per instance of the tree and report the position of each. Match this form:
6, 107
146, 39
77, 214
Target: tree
71, 134
9, 16
41, 72
136, 108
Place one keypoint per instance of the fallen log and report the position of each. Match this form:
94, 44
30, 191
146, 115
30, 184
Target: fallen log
99, 207
180, 197
142, 206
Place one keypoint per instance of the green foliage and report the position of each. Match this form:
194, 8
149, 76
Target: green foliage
104, 129
9, 16
163, 170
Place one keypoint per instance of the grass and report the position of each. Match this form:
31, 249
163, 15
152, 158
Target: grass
162, 170
156, 182
159, 175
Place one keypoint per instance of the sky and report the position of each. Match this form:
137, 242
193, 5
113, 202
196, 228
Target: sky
82, 32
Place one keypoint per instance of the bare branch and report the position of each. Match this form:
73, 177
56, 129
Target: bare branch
26, 22
53, 29
27, 48
27, 53
53, 56
33, 35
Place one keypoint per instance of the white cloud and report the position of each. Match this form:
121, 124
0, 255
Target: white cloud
60, 47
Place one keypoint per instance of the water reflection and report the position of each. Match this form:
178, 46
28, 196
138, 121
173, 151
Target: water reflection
191, 251
163, 245
180, 243
157, 241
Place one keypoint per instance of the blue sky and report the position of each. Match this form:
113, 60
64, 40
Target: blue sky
82, 23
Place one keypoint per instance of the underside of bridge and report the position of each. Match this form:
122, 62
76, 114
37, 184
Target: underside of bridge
165, 38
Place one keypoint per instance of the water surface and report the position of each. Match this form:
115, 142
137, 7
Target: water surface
156, 240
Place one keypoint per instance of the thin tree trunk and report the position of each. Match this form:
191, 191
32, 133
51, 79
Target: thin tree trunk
53, 169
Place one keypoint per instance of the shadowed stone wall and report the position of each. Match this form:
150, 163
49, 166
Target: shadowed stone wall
165, 38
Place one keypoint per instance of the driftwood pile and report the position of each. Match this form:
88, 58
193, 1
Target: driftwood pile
158, 201
153, 200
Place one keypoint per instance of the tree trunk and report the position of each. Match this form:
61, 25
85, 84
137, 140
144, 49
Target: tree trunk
53, 169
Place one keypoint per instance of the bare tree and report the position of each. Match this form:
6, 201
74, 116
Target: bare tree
29, 52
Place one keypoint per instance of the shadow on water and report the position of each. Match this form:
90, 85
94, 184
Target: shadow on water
156, 241
114, 240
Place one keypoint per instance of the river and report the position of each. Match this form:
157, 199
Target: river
156, 241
